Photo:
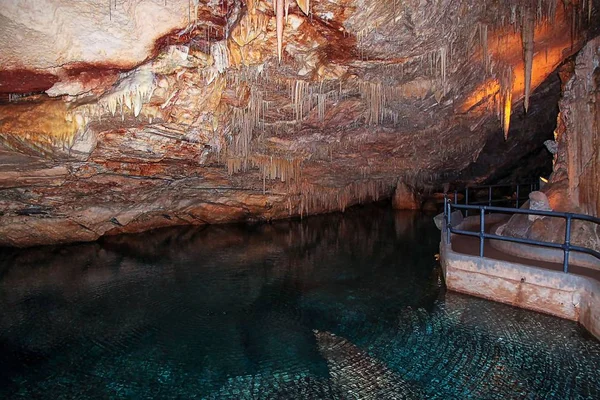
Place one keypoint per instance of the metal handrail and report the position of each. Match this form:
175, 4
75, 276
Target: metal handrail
532, 186
566, 246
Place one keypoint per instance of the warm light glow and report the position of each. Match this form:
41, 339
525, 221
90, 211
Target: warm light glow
39, 123
505, 47
506, 113
485, 91
552, 43
543, 179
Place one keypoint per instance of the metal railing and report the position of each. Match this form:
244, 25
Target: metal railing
566, 246
518, 190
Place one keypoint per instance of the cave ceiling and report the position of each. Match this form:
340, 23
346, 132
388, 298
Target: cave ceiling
320, 103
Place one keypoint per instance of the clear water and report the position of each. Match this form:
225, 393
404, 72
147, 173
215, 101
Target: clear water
332, 307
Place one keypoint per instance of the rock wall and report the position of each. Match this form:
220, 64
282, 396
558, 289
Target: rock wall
574, 185
577, 167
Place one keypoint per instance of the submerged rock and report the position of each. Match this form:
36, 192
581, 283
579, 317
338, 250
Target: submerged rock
359, 375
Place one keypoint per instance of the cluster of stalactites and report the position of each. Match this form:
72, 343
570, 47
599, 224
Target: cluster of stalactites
280, 168
244, 120
316, 198
379, 96
527, 24
133, 90
305, 95
271, 167
524, 17
374, 95
299, 91
220, 55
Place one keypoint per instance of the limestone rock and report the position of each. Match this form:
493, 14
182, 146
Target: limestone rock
538, 201
578, 132
552, 146
121, 118
456, 218
40, 34
405, 198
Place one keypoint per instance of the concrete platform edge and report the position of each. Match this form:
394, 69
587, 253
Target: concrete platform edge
567, 296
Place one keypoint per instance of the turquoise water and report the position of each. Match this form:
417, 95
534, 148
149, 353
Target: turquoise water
331, 307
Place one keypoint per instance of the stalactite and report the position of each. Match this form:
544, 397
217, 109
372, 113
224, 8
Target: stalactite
196, 6
513, 14
573, 27
507, 109
281, 9
279, 26
321, 101
505, 99
483, 38
375, 98
300, 89
443, 64
527, 34
220, 56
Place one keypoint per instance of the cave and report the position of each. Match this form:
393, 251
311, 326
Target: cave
268, 143
239, 111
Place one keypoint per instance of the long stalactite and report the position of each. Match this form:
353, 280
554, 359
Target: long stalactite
527, 34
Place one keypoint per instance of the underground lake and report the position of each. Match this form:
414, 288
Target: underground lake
336, 306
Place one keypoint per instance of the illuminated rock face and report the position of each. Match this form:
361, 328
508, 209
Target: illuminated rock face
575, 182
123, 116
578, 134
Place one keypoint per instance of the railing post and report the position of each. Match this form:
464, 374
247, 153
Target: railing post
467, 200
448, 221
489, 195
567, 244
456, 197
481, 230
517, 201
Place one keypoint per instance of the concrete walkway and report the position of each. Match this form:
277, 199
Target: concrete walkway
469, 245
526, 283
